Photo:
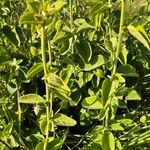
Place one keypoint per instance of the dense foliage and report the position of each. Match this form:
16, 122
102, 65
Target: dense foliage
74, 74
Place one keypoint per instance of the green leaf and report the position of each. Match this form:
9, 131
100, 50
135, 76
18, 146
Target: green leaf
92, 102
133, 95
118, 77
43, 125
84, 77
55, 144
66, 73
84, 50
143, 32
64, 47
31, 99
33, 6
103, 113
8, 129
98, 8
59, 5
64, 97
118, 145
143, 119
128, 71
39, 146
108, 88
126, 122
10, 35
108, 141
34, 70
96, 61
63, 120
123, 56
60, 36
56, 83
29, 18
93, 146
136, 33
85, 27
116, 127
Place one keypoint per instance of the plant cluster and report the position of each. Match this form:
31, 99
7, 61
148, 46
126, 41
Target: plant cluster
74, 74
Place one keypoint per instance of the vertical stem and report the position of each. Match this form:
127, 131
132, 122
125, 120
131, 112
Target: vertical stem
47, 89
19, 113
116, 55
71, 13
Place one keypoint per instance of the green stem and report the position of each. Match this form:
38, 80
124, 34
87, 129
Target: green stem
47, 88
71, 13
19, 113
116, 55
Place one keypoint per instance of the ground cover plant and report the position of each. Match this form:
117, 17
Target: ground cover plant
74, 74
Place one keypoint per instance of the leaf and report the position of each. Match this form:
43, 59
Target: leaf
143, 119
33, 6
119, 78
118, 145
108, 141
64, 97
128, 71
84, 50
39, 146
116, 127
135, 32
56, 83
98, 8
96, 61
10, 35
92, 102
123, 56
108, 88
133, 95
55, 144
66, 73
63, 120
93, 146
29, 18
61, 36
34, 70
31, 99
8, 129
59, 5
103, 113
44, 125
143, 32
84, 27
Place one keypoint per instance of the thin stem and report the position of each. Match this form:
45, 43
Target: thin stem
119, 38
71, 13
19, 113
47, 88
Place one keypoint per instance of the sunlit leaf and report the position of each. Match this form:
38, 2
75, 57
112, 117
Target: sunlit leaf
34, 70
133, 95
63, 120
31, 99
92, 102
135, 32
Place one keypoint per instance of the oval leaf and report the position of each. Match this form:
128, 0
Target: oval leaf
63, 120
34, 70
84, 50
108, 141
31, 99
56, 83
92, 102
